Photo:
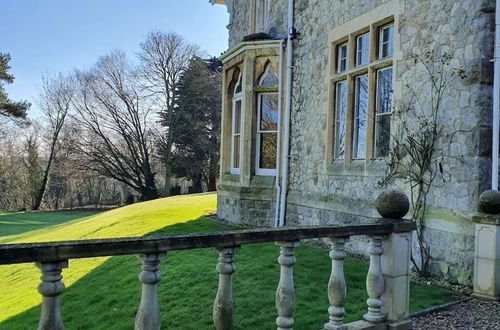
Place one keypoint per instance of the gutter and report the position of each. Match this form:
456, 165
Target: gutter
496, 101
283, 191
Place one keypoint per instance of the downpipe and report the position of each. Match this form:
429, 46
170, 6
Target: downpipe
496, 101
283, 191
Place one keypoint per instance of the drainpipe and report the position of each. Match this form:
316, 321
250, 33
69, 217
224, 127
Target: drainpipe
496, 101
288, 107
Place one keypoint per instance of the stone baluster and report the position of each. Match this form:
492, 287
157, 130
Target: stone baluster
285, 294
375, 282
336, 286
148, 314
223, 304
50, 289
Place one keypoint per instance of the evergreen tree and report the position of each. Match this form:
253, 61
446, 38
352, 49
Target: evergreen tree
9, 108
196, 146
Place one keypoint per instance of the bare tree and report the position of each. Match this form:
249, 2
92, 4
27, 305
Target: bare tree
113, 115
165, 57
54, 102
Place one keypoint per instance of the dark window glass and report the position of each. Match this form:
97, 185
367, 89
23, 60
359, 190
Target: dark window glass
386, 41
342, 58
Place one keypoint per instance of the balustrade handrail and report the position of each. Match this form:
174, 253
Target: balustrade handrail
74, 249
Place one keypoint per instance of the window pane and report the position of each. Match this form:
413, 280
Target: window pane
237, 117
360, 114
269, 112
237, 90
269, 78
382, 135
383, 112
384, 91
386, 41
342, 58
340, 114
362, 49
268, 150
236, 134
236, 151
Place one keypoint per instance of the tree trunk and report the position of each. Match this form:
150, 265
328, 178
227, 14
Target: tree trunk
197, 183
212, 182
43, 184
149, 190
167, 163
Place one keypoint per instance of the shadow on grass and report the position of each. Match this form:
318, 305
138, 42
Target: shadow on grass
22, 222
108, 297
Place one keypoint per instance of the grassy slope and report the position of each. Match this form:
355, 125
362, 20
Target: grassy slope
18, 282
18, 223
106, 297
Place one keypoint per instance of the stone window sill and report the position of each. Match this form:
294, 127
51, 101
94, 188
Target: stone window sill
357, 167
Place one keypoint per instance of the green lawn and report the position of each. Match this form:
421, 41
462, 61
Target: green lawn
22, 222
104, 294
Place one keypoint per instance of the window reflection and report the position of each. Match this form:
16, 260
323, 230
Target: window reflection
269, 78
383, 112
269, 112
360, 115
267, 124
362, 49
385, 42
340, 115
268, 150
269, 117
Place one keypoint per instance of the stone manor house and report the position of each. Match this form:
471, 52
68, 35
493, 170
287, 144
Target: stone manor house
329, 94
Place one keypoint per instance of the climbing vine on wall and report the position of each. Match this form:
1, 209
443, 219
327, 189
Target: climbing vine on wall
420, 142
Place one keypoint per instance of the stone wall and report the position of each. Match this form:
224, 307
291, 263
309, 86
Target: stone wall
324, 194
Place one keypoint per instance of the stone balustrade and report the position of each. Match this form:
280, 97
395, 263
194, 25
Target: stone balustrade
387, 279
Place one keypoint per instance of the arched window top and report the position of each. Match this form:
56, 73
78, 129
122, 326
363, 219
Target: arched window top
238, 88
269, 77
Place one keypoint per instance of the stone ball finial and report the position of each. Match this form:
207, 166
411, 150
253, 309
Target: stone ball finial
392, 204
489, 202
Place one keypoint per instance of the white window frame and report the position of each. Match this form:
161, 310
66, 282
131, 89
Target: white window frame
258, 170
381, 42
340, 58
236, 98
360, 50
379, 114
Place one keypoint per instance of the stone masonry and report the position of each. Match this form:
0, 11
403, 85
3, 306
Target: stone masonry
320, 193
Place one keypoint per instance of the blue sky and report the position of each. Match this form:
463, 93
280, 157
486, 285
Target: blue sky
49, 36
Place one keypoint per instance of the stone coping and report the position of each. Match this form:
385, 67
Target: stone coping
57, 251
486, 219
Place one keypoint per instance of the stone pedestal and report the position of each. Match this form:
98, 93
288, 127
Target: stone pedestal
487, 256
396, 270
